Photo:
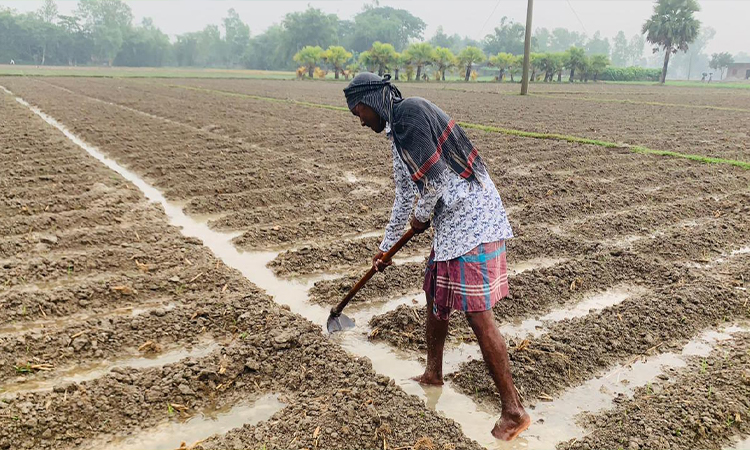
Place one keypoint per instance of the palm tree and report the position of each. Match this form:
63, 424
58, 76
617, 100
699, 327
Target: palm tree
337, 56
537, 62
444, 60
403, 60
421, 54
584, 69
558, 60
470, 56
383, 56
503, 61
351, 69
516, 63
309, 57
574, 59
672, 27
597, 64
547, 63
366, 61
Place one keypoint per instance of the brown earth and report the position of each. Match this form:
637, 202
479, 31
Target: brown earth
661, 127
716, 389
574, 350
311, 180
329, 92
123, 253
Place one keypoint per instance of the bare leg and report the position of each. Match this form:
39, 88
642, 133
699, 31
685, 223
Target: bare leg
514, 418
435, 330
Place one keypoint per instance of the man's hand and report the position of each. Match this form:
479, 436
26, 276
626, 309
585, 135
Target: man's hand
418, 226
378, 263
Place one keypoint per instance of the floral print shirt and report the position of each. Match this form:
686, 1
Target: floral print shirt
464, 214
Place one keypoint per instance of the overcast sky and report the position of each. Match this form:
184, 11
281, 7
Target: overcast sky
474, 18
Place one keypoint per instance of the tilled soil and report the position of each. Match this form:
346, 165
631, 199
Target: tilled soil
309, 180
398, 280
716, 389
125, 255
339, 255
329, 92
661, 127
574, 350
537, 291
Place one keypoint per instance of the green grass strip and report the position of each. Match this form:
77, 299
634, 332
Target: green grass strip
535, 135
507, 131
699, 158
580, 140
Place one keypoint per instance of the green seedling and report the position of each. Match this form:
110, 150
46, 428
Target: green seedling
170, 409
243, 335
26, 368
704, 365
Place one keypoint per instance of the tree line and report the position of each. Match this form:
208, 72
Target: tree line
415, 59
102, 32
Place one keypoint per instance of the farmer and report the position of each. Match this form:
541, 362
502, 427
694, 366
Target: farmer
434, 161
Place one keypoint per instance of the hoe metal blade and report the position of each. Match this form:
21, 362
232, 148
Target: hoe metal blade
339, 322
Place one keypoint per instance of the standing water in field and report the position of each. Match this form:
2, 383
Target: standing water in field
558, 416
171, 435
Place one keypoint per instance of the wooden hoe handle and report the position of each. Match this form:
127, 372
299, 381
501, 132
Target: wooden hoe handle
387, 257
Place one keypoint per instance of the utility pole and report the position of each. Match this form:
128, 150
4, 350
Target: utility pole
527, 50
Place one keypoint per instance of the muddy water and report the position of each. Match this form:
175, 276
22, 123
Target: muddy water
476, 422
595, 302
743, 444
530, 264
171, 435
85, 372
556, 421
293, 293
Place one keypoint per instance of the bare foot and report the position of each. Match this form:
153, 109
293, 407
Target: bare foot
508, 428
428, 380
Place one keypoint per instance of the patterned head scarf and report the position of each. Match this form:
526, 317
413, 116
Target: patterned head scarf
375, 92
427, 139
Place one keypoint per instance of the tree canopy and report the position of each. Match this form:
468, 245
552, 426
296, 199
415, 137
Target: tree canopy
385, 24
379, 38
672, 27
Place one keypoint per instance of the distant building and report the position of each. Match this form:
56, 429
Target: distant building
738, 71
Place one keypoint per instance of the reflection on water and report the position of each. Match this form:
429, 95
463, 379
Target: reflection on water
170, 435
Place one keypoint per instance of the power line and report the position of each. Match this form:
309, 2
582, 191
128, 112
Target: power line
488, 18
579, 19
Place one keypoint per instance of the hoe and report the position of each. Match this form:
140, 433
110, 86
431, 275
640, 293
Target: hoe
340, 322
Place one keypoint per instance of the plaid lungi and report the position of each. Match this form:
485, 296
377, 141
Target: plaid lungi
473, 282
